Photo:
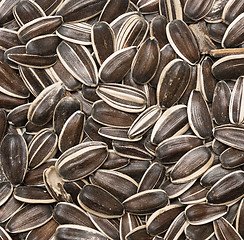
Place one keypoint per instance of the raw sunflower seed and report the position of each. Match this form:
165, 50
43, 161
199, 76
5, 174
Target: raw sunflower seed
199, 115
172, 9
8, 38
138, 233
81, 160
99, 202
13, 154
7, 102
6, 190
231, 158
183, 41
29, 217
77, 11
148, 6
199, 158
103, 41
79, 62
122, 97
17, 49
39, 26
6, 10
228, 189
79, 33
49, 6
200, 232
146, 202
173, 82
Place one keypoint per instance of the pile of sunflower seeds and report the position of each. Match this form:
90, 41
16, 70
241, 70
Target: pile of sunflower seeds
122, 119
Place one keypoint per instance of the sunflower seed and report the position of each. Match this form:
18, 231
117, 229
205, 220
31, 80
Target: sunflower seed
75, 232
183, 41
4, 235
99, 202
230, 67
173, 122
216, 31
103, 41
232, 158
148, 6
78, 161
200, 158
39, 26
68, 213
79, 62
214, 174
21, 221
146, 202
13, 152
172, 149
117, 65
73, 11
7, 102
49, 6
239, 218
139, 232
6, 10
160, 220
8, 38
173, 82
231, 10
6, 190
172, 9
224, 230
26, 11
29, 194
231, 183
199, 232
143, 71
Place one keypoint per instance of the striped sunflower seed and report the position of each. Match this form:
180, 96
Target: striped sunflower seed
146, 202
218, 147
204, 213
30, 217
4, 235
228, 189
200, 158
74, 232
7, 102
183, 41
173, 82
42, 108
103, 41
138, 233
6, 13
79, 62
143, 71
13, 155
173, 122
231, 158
122, 97
148, 6
118, 184
81, 160
49, 6
39, 26
201, 232
172, 9
15, 49
78, 33
8, 38
6, 190
99, 202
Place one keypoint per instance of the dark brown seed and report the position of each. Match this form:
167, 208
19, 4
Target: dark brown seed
26, 11
232, 158
6, 13
74, 232
118, 184
42, 108
81, 160
199, 115
220, 104
138, 233
77, 11
43, 45
8, 209
160, 220
239, 219
17, 49
158, 30
216, 31
111, 117
213, 175
3, 123
39, 26
117, 65
173, 82
199, 158
6, 190
44, 232
172, 9
49, 6
8, 38
143, 71
89, 93
172, 149
218, 147
29, 217
224, 230
69, 213
230, 67
13, 155
29, 194
196, 9
11, 84
204, 213
148, 7
228, 189
103, 41
199, 232
99, 202
146, 202
183, 41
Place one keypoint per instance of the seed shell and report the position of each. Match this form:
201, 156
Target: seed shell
172, 9
139, 232
6, 10
201, 232
6, 190
232, 158
49, 6
4, 235
8, 38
